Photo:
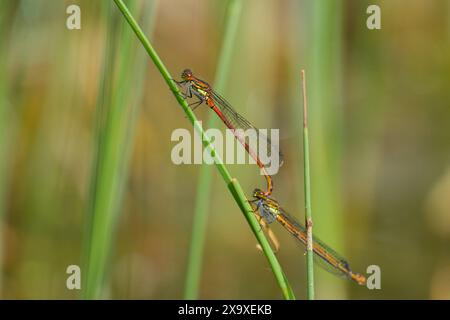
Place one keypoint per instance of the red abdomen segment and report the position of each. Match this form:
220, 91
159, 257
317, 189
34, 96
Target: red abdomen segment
241, 139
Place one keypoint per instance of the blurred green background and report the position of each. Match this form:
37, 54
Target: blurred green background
380, 138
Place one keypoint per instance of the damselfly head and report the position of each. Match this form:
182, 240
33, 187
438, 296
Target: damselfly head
186, 74
258, 193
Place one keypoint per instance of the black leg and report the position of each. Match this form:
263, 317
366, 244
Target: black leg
179, 83
195, 104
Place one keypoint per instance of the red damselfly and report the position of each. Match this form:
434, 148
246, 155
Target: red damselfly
233, 120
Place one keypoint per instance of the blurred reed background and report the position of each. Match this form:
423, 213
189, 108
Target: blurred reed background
379, 129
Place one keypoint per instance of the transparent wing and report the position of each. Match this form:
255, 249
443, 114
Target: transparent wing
325, 257
239, 122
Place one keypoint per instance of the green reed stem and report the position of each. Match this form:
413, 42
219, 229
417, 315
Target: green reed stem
116, 113
204, 190
308, 213
6, 128
326, 127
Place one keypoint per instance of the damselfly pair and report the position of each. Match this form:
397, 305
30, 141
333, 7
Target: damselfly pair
267, 208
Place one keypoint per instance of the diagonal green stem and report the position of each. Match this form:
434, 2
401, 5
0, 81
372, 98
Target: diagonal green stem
232, 184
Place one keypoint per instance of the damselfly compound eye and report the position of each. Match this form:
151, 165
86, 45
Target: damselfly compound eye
187, 73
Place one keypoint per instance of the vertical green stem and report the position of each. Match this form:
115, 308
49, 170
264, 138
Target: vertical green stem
326, 128
119, 102
308, 213
5, 128
205, 179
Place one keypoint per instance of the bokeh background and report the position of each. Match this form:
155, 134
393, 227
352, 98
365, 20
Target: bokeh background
380, 138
